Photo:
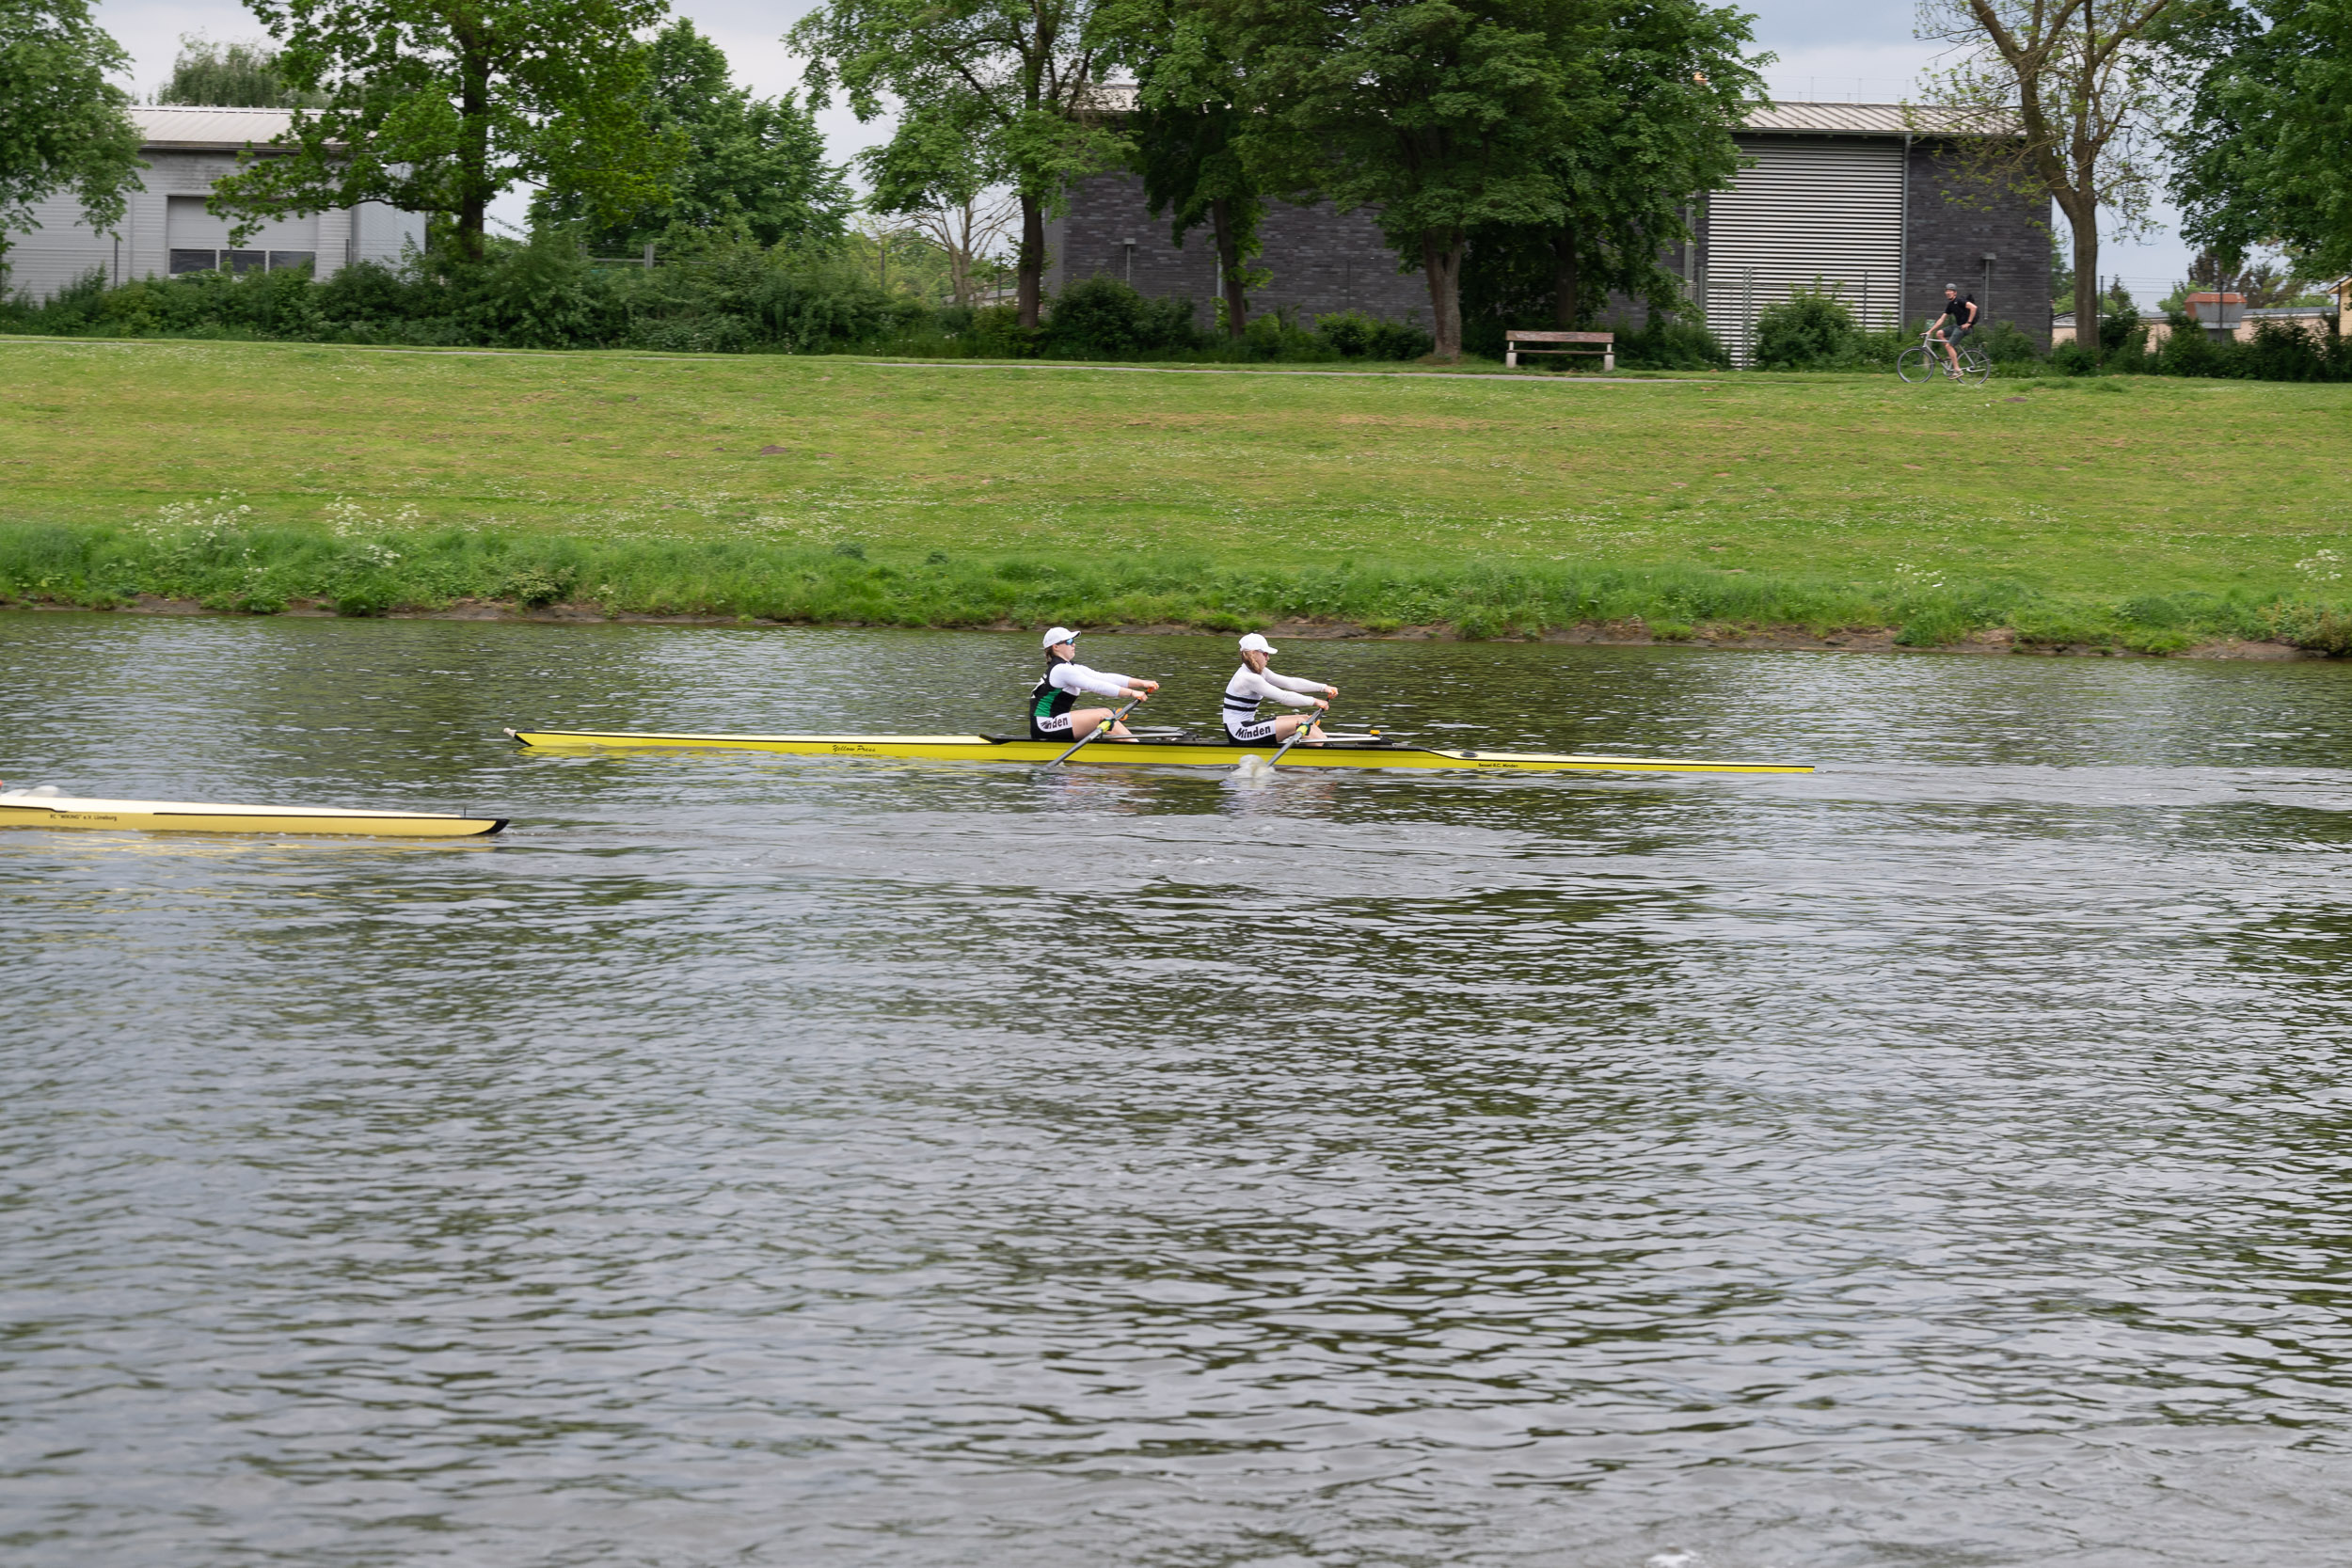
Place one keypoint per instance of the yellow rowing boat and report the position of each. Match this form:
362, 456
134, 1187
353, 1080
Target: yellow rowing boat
40, 809
1146, 752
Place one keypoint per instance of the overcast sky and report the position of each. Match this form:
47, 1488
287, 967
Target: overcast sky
1844, 50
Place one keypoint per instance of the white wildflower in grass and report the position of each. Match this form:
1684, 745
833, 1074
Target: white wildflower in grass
210, 516
1913, 575
2322, 566
349, 517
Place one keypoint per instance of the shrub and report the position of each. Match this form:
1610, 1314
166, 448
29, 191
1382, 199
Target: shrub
542, 295
2073, 359
1811, 330
1103, 318
2120, 328
1353, 335
2005, 344
1667, 343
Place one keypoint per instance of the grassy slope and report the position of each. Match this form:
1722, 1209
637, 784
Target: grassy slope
1854, 493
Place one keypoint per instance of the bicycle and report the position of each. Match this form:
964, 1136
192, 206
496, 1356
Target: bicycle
1919, 364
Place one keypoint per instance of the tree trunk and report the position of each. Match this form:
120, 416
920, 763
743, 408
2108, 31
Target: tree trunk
473, 131
1441, 259
1229, 268
1564, 301
956, 224
1029, 286
2087, 281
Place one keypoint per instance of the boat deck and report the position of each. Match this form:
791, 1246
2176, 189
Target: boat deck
1145, 752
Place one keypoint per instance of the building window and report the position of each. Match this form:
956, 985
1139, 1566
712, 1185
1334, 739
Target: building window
240, 261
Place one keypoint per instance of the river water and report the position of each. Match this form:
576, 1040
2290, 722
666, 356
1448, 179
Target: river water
1939, 1160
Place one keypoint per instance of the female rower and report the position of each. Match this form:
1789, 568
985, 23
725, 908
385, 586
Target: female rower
1051, 713
1253, 682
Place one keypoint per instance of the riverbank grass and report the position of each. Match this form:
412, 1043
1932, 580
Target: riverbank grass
2144, 513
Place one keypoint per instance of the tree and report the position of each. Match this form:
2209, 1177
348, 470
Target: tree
2261, 154
1024, 71
2264, 284
2061, 98
1678, 81
945, 173
1671, 85
751, 167
1186, 136
230, 75
62, 124
1439, 115
438, 105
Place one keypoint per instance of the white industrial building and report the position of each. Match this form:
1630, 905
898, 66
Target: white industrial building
167, 231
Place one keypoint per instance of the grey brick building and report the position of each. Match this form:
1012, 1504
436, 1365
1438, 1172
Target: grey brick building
1863, 195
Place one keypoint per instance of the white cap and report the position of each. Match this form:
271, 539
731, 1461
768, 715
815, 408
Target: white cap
1060, 634
1253, 644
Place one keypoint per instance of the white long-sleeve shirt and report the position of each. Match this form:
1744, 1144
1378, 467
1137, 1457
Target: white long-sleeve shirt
1247, 689
1074, 678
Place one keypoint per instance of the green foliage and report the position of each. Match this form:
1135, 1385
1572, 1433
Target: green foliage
1811, 330
437, 105
753, 169
2260, 157
2071, 358
732, 299
940, 169
1670, 343
2120, 327
1101, 318
1676, 78
2005, 343
1440, 116
1020, 72
1572, 139
542, 295
230, 75
1187, 134
62, 124
224, 562
2266, 284
2279, 351
1353, 335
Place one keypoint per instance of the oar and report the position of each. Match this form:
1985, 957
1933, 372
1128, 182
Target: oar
1297, 736
1102, 728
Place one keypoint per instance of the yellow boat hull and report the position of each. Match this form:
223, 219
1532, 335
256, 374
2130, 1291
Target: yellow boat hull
1156, 753
61, 811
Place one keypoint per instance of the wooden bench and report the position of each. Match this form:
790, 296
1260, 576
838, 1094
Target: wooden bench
1607, 349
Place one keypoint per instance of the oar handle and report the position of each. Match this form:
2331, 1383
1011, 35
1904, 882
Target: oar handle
1102, 728
1298, 734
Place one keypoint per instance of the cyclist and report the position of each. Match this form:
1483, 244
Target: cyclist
1960, 312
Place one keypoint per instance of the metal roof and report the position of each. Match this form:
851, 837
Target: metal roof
1876, 119
1851, 119
186, 125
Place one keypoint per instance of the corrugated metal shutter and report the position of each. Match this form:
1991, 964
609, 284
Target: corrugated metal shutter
1832, 211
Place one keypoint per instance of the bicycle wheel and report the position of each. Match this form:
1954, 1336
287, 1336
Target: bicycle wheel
1915, 365
1976, 367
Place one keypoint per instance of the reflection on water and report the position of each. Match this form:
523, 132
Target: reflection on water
1936, 1160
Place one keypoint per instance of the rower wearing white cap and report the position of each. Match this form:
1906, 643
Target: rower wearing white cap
1052, 711
1253, 682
